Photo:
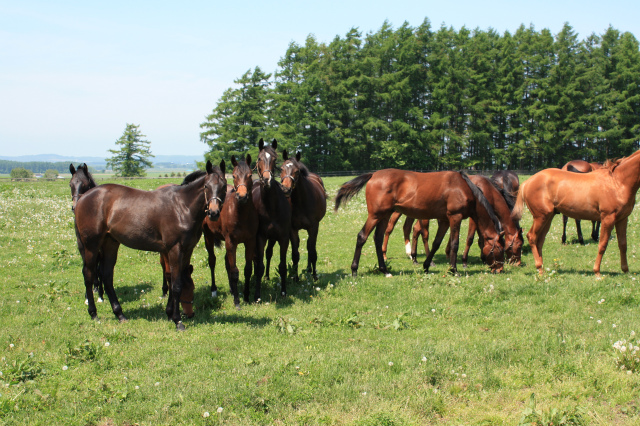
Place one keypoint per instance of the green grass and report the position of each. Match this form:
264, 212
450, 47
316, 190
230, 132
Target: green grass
413, 349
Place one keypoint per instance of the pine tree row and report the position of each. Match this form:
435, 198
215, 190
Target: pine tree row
415, 98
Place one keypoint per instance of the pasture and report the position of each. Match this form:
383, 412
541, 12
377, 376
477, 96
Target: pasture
413, 349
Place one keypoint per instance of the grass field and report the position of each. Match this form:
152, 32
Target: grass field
413, 349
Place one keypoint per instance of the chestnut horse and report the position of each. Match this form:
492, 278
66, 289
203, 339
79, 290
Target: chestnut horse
274, 211
580, 166
309, 205
167, 221
238, 224
607, 194
448, 197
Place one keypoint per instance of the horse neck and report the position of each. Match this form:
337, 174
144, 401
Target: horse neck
192, 195
627, 174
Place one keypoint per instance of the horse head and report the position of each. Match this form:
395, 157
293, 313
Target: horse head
81, 181
513, 250
290, 173
266, 163
242, 179
215, 190
492, 252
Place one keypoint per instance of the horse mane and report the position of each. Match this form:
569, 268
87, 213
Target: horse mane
507, 194
477, 192
193, 176
611, 164
92, 183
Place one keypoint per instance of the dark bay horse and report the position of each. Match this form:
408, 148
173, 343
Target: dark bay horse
580, 166
508, 182
309, 205
238, 224
274, 211
82, 181
448, 197
607, 194
167, 221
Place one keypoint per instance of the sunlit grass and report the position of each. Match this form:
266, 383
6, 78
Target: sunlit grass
411, 349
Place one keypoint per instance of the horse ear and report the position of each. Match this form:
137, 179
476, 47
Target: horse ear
274, 144
85, 167
298, 156
285, 156
248, 160
234, 162
222, 167
209, 167
261, 144
72, 169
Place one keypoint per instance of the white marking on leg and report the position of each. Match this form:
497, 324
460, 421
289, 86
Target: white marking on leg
214, 294
407, 249
388, 275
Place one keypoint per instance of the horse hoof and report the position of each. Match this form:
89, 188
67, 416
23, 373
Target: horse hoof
214, 294
284, 293
238, 307
388, 275
100, 300
86, 302
180, 326
315, 277
94, 316
122, 318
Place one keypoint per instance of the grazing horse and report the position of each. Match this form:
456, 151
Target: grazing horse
238, 224
167, 221
607, 194
580, 166
82, 181
274, 210
309, 205
513, 239
448, 197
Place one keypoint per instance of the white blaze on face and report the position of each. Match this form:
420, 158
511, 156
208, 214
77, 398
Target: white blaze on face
266, 154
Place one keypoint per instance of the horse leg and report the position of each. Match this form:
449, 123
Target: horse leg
110, 256
421, 228
595, 230
258, 262
454, 239
443, 226
89, 272
98, 285
360, 240
268, 253
188, 289
175, 260
392, 223
313, 252
282, 267
621, 233
249, 253
536, 237
407, 229
378, 237
165, 276
605, 233
470, 236
232, 271
580, 239
209, 245
295, 253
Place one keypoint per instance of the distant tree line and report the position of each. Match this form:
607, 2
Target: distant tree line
35, 166
418, 98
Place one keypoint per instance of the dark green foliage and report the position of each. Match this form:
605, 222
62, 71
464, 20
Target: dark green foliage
415, 98
36, 166
21, 173
133, 157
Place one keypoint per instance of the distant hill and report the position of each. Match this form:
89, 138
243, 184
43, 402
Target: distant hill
182, 162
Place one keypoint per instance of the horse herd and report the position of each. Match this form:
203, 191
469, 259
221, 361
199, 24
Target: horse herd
171, 219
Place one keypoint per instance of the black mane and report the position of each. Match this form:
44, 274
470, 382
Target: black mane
193, 176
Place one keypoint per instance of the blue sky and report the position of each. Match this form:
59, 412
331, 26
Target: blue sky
74, 73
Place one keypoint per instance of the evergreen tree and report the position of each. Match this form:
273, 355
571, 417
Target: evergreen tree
132, 158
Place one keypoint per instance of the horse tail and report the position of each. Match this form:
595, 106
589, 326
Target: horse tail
516, 213
217, 242
349, 189
477, 192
